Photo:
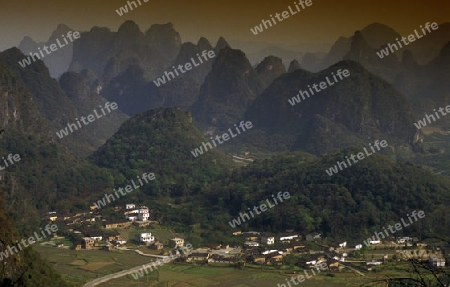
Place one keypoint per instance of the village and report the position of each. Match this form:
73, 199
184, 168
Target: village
288, 250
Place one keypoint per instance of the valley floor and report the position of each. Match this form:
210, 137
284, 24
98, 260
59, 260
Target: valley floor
82, 266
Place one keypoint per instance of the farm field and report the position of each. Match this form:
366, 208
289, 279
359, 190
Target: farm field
81, 266
190, 276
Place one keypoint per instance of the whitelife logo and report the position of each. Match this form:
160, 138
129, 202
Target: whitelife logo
10, 157
206, 55
124, 9
420, 124
31, 240
398, 227
385, 52
322, 86
323, 266
360, 156
284, 14
53, 48
262, 207
225, 137
90, 118
102, 202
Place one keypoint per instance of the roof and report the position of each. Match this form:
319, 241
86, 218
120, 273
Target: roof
288, 234
116, 221
199, 254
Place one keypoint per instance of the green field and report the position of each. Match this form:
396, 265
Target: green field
181, 275
81, 266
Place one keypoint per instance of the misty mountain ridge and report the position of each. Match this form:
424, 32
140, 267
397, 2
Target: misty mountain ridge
58, 61
362, 107
378, 35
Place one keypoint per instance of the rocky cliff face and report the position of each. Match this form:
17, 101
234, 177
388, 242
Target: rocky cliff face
86, 101
165, 39
270, 69
361, 106
221, 44
189, 51
60, 108
294, 65
18, 111
109, 54
228, 90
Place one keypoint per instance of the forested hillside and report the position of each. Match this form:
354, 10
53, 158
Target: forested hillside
25, 268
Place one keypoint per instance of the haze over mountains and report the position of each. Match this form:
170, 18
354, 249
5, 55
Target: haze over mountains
228, 89
156, 127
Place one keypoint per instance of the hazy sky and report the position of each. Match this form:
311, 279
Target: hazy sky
323, 22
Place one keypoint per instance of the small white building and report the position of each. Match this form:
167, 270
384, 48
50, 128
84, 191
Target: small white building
176, 242
271, 251
251, 244
358, 247
372, 242
402, 240
143, 214
130, 206
342, 245
146, 238
268, 240
436, 261
289, 236
131, 217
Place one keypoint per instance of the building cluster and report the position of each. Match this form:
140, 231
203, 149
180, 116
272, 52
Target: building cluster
256, 248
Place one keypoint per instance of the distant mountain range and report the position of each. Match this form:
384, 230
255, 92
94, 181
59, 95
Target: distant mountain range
412, 69
378, 35
228, 88
58, 61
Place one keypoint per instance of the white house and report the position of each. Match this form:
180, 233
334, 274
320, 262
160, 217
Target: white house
146, 237
374, 242
402, 240
131, 217
271, 251
176, 242
358, 247
130, 206
288, 236
143, 214
251, 244
268, 240
344, 244
436, 261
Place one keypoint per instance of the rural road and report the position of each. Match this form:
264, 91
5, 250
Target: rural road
112, 276
119, 274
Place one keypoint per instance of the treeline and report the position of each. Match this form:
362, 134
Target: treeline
349, 205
